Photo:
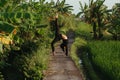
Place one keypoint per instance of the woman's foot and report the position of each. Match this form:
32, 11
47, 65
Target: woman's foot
53, 53
66, 54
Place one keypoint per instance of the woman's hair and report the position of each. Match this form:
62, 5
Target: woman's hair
60, 35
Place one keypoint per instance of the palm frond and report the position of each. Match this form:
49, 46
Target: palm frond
78, 14
81, 6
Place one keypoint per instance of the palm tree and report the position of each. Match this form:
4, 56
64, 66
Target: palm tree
114, 28
62, 7
94, 13
84, 12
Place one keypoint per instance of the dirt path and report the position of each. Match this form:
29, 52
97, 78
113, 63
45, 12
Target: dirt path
62, 67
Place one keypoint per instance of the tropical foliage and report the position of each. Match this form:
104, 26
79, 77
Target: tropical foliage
27, 27
97, 14
100, 58
23, 39
114, 22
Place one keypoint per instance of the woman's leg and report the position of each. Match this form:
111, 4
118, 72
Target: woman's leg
62, 47
66, 49
52, 45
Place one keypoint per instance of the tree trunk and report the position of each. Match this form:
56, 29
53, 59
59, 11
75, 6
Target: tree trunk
94, 31
100, 35
115, 37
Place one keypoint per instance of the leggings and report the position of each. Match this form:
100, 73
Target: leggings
53, 42
64, 46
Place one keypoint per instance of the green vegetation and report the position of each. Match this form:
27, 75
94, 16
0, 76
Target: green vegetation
33, 64
27, 28
105, 58
24, 53
76, 53
75, 49
101, 55
79, 51
83, 30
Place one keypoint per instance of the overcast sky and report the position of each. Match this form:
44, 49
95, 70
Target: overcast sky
76, 6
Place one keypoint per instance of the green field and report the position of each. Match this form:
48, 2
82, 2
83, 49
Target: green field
102, 61
105, 58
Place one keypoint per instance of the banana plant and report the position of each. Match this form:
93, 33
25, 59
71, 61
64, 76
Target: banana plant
6, 34
63, 8
94, 14
114, 28
84, 13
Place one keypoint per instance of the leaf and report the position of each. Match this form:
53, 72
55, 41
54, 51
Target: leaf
41, 26
27, 15
62, 3
11, 15
1, 47
78, 15
6, 27
19, 15
81, 6
5, 15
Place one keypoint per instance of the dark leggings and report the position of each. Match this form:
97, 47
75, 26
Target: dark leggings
64, 46
53, 42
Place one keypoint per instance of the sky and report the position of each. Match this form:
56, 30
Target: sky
76, 6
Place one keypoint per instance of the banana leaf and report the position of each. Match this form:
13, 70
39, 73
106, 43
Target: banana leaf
27, 15
6, 27
41, 26
1, 48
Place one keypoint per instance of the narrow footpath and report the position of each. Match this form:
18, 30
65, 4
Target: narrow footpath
62, 67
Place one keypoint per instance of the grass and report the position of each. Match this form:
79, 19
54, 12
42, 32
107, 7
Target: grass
75, 54
79, 50
83, 30
100, 58
75, 46
105, 58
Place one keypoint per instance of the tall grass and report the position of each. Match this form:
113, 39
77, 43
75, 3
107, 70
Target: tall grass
83, 30
75, 53
105, 58
74, 50
79, 55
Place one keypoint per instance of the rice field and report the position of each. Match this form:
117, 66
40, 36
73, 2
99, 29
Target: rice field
105, 56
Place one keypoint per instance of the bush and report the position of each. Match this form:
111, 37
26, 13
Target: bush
32, 65
1, 76
83, 30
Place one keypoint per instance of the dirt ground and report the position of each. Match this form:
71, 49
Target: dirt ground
62, 67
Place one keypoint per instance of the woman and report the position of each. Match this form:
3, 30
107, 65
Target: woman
64, 44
